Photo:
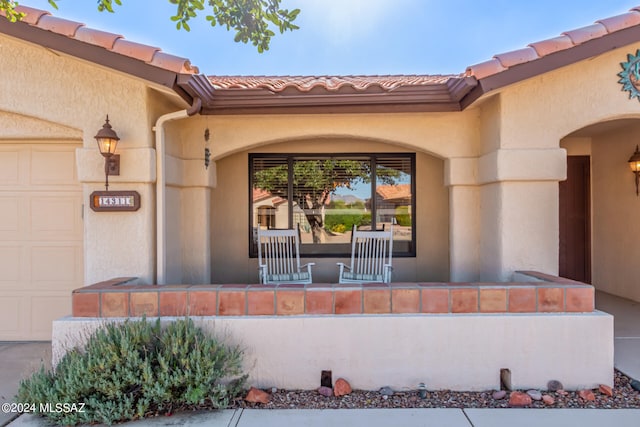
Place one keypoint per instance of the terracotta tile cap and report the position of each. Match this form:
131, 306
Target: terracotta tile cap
620, 22
556, 44
485, 69
173, 63
135, 50
59, 25
32, 15
515, 57
584, 34
97, 37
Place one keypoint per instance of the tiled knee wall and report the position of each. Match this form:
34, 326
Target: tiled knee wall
118, 298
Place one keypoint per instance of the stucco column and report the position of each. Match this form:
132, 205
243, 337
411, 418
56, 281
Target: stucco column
519, 211
189, 220
464, 219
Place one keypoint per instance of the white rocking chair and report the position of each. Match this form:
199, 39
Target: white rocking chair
371, 257
279, 258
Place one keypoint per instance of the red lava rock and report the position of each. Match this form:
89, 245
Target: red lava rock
606, 390
518, 398
325, 391
561, 392
587, 395
548, 400
257, 396
341, 388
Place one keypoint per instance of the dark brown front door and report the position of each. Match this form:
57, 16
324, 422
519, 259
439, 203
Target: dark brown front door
575, 222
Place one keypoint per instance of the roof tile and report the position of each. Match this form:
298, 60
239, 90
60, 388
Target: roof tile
135, 50
32, 15
173, 63
485, 69
584, 34
332, 83
59, 25
97, 37
620, 22
556, 44
515, 57
113, 42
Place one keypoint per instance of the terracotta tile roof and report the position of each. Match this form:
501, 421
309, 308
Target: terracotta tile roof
330, 83
116, 43
394, 192
566, 40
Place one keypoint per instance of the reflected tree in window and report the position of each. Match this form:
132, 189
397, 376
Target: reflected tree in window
315, 180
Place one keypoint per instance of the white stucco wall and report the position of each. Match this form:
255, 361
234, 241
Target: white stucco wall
454, 352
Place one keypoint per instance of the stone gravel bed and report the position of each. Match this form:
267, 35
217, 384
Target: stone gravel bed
624, 396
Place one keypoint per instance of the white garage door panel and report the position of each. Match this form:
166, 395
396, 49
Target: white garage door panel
44, 310
55, 217
54, 264
50, 166
10, 320
41, 237
10, 265
9, 166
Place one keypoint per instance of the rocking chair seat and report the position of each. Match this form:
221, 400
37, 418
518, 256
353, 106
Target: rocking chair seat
279, 258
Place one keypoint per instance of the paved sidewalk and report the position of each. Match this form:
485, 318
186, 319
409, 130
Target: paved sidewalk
387, 417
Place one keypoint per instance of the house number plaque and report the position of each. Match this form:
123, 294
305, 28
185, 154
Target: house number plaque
114, 201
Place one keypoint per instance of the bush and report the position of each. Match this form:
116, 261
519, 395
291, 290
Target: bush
137, 368
403, 217
341, 222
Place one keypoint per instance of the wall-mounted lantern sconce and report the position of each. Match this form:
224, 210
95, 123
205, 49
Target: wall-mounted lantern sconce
634, 164
107, 141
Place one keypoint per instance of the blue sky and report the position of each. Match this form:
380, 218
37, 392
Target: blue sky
347, 37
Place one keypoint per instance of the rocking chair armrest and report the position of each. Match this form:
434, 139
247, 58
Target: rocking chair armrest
307, 265
343, 266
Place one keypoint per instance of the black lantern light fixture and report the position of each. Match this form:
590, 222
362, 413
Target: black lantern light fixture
107, 141
634, 164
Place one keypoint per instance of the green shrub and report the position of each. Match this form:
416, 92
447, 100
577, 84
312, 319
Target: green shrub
137, 368
403, 217
345, 220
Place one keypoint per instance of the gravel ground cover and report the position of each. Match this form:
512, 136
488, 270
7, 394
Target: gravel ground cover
624, 396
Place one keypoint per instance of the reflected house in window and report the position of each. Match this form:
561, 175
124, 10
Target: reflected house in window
394, 201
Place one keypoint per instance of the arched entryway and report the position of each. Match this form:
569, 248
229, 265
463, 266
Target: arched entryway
599, 231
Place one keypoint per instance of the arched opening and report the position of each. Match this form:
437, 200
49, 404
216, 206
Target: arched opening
599, 208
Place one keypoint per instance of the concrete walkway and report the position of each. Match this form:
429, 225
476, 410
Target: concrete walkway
387, 417
18, 360
626, 332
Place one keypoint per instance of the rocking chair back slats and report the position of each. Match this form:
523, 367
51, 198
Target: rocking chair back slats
371, 257
279, 257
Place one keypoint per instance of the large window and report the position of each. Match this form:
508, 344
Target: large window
324, 196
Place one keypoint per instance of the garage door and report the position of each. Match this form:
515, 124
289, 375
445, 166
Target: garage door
40, 237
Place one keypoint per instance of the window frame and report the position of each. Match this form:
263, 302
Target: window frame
372, 157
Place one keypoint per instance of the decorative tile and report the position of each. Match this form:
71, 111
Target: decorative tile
202, 303
144, 304
405, 300
376, 301
289, 302
260, 303
115, 304
319, 302
464, 300
580, 300
493, 300
522, 300
435, 300
348, 301
550, 300
231, 303
86, 304
173, 303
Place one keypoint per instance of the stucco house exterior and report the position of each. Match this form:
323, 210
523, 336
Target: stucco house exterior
517, 164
